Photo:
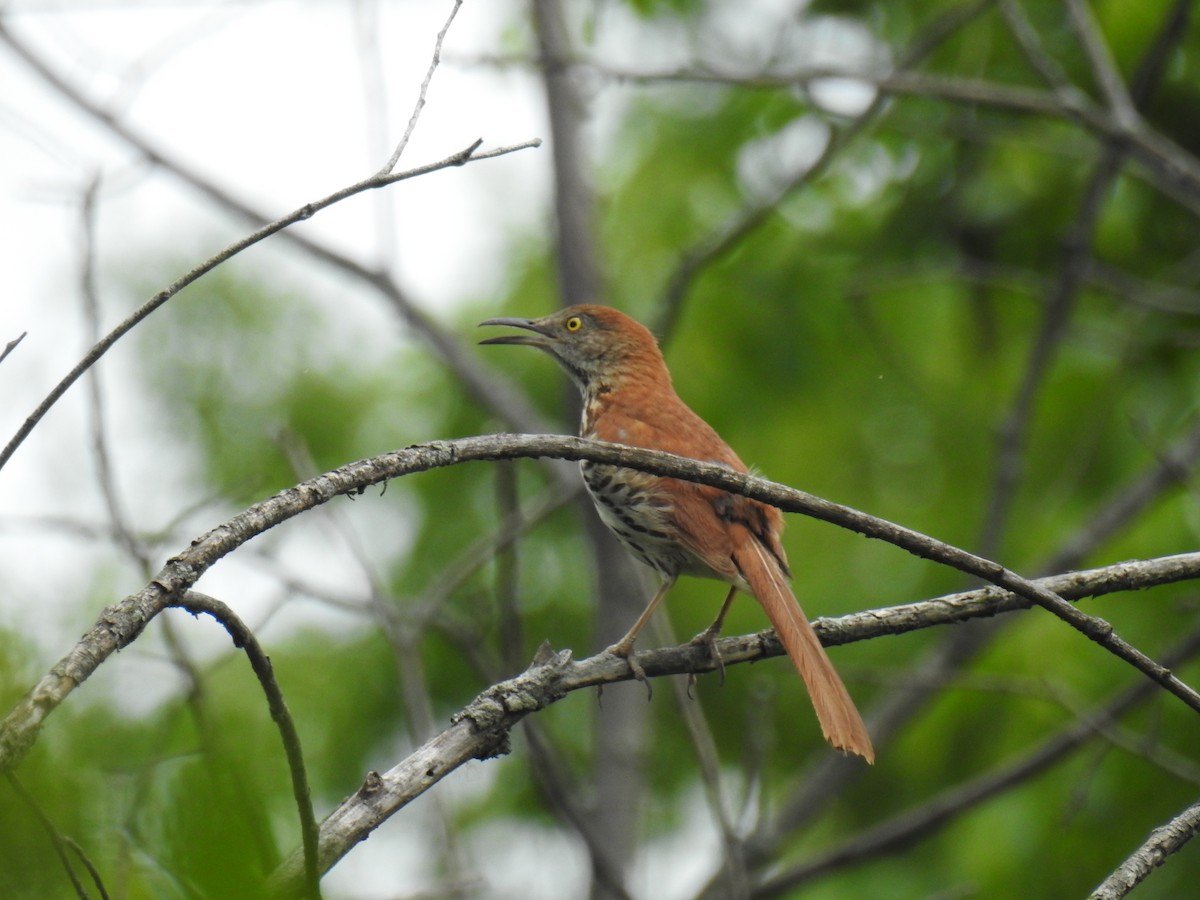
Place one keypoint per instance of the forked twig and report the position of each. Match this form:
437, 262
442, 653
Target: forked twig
420, 104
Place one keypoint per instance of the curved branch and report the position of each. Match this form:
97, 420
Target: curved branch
1170, 167
716, 245
122, 622
493, 392
244, 639
907, 828
482, 729
306, 211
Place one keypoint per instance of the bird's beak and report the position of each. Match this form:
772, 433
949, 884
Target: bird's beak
539, 338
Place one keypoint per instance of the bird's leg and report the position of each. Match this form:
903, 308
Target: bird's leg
624, 647
708, 637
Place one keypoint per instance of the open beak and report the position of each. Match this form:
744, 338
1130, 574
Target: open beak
539, 337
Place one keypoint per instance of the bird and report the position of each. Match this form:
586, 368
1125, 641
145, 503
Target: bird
673, 526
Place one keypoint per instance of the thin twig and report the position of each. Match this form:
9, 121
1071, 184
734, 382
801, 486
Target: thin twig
403, 638
1170, 167
96, 409
58, 841
478, 554
244, 639
1076, 253
906, 828
1104, 68
369, 32
12, 345
491, 390
561, 794
507, 568
550, 772
704, 746
715, 246
420, 104
463, 156
1175, 465
1030, 43
1012, 434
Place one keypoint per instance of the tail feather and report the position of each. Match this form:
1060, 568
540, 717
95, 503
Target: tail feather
840, 721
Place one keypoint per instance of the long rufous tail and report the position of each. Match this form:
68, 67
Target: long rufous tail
839, 718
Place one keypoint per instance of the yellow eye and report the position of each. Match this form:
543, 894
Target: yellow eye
574, 323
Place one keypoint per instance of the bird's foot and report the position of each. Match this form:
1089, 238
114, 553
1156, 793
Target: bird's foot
708, 639
628, 654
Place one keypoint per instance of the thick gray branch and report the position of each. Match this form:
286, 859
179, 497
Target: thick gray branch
482, 729
122, 622
1163, 841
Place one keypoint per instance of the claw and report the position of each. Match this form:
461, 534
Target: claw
708, 639
630, 657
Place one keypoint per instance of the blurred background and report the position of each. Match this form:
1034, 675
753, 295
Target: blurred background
937, 261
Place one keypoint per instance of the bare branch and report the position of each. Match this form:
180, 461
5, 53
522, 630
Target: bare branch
420, 105
1077, 244
708, 761
1174, 466
1104, 68
462, 157
244, 639
482, 729
122, 622
96, 408
616, 775
492, 391
304, 212
1163, 841
906, 828
12, 345
1170, 167
1030, 44
714, 246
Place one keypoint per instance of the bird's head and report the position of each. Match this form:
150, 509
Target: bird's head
595, 344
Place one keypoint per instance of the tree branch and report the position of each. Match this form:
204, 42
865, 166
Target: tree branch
122, 622
1171, 168
488, 388
1163, 841
420, 104
906, 828
729, 234
244, 639
298, 215
482, 729
12, 345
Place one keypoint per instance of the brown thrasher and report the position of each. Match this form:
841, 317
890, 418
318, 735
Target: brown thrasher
677, 527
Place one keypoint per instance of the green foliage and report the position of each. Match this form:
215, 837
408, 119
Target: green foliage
864, 341
658, 7
246, 375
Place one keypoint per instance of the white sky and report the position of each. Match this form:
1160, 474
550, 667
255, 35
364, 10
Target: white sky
266, 100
